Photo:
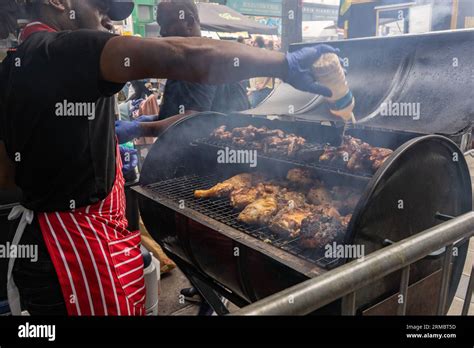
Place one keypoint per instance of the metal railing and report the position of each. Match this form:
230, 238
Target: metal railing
344, 281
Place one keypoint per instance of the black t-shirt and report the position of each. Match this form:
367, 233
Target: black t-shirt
180, 96
57, 119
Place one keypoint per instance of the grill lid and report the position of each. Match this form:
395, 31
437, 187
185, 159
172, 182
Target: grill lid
418, 83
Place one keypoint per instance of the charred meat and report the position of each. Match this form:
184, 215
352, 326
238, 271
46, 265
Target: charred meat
319, 195
287, 223
271, 141
320, 230
300, 178
356, 156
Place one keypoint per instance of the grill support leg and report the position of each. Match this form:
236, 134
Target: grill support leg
470, 289
443, 295
402, 308
209, 295
349, 304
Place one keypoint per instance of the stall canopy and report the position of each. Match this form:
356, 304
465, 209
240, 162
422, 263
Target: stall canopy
222, 19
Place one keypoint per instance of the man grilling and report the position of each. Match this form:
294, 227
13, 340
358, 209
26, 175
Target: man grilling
61, 146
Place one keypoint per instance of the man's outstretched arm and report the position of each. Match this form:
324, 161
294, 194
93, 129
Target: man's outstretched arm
197, 60
207, 61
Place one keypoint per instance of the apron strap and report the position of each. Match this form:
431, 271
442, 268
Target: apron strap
26, 219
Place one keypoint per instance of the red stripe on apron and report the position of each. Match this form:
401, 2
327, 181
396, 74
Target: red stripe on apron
97, 260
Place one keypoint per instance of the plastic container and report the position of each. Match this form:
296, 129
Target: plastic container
329, 72
152, 285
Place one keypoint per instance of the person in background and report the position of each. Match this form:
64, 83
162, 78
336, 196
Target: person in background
182, 97
185, 97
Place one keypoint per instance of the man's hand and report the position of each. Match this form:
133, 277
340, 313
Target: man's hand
127, 131
300, 64
207, 61
129, 159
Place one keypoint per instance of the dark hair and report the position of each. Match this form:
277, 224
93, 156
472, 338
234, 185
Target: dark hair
260, 42
241, 39
188, 6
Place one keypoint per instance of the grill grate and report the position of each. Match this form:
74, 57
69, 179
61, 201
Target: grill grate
182, 189
288, 160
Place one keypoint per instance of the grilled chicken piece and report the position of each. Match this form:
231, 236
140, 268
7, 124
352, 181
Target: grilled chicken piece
221, 134
225, 188
326, 210
272, 132
239, 142
287, 145
358, 160
287, 223
300, 178
291, 199
356, 156
247, 133
240, 198
318, 230
378, 156
259, 212
319, 195
295, 143
328, 154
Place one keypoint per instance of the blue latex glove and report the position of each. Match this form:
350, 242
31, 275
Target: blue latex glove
300, 65
127, 131
129, 159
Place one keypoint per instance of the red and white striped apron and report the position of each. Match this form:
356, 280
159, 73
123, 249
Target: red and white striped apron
97, 260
